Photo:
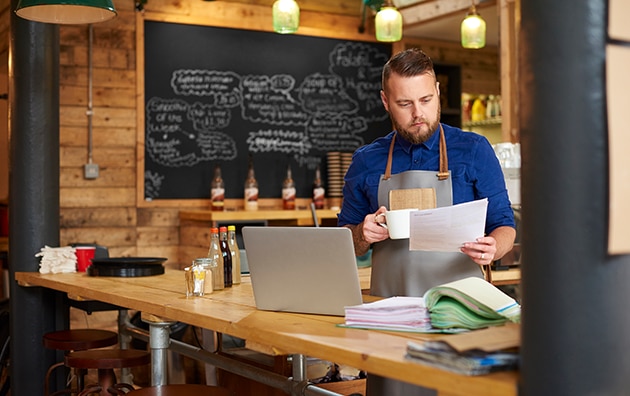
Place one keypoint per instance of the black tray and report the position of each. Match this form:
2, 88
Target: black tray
126, 266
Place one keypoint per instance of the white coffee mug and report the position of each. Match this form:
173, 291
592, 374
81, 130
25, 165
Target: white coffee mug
398, 223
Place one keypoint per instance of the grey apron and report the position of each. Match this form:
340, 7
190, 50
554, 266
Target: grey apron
397, 271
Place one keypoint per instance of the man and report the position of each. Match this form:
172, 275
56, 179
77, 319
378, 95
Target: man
421, 153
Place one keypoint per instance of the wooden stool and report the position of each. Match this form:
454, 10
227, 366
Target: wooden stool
181, 390
105, 361
76, 340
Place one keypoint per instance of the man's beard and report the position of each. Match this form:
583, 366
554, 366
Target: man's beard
417, 135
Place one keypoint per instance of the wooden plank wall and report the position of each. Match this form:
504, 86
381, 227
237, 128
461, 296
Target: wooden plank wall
105, 210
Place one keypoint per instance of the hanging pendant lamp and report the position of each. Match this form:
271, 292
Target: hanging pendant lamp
66, 11
473, 29
286, 16
388, 23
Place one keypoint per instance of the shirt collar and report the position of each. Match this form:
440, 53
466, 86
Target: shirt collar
429, 144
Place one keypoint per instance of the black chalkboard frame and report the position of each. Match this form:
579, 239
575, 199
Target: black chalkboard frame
270, 186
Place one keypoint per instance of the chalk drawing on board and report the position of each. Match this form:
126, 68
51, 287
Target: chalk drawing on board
152, 184
168, 141
280, 141
360, 66
221, 86
268, 100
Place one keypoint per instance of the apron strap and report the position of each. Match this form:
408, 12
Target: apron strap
443, 171
388, 168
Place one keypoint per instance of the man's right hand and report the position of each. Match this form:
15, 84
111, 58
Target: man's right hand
373, 231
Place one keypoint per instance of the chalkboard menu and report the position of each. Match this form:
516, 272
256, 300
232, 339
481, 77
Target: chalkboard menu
219, 96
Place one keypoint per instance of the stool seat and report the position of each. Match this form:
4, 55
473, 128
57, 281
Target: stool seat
181, 390
107, 358
76, 340
79, 339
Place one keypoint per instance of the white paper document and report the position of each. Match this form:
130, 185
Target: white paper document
446, 229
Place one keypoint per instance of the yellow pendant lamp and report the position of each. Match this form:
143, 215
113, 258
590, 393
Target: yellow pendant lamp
473, 29
388, 23
66, 11
286, 16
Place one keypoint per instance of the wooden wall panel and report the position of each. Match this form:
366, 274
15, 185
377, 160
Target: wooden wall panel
101, 136
108, 177
103, 217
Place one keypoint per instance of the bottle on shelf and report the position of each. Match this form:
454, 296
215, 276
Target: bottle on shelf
319, 193
227, 257
217, 191
251, 188
215, 254
478, 111
236, 255
288, 191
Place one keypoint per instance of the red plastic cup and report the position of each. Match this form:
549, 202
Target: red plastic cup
84, 254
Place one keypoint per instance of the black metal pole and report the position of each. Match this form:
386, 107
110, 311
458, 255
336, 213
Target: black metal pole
33, 193
576, 329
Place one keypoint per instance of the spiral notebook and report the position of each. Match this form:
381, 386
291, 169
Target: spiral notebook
302, 269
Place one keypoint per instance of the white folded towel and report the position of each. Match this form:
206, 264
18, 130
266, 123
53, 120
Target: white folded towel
56, 260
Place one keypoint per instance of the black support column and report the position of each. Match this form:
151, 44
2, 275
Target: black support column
34, 193
576, 325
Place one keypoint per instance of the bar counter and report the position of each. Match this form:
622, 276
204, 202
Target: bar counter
232, 311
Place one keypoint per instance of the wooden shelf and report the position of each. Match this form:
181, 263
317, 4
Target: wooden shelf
492, 121
301, 217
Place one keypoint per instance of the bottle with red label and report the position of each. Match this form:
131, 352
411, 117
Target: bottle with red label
251, 188
319, 192
288, 191
217, 191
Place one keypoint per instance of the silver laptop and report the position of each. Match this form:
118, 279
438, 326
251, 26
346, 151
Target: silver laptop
302, 269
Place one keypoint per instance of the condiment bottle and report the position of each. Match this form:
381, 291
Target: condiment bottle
217, 191
215, 254
251, 188
478, 112
227, 257
318, 190
288, 191
236, 255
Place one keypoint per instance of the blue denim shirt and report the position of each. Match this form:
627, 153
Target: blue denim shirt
475, 172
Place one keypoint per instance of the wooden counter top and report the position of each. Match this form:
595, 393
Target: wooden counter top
232, 311
300, 216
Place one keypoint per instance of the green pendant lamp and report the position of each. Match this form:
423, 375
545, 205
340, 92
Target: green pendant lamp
66, 11
473, 30
286, 16
388, 23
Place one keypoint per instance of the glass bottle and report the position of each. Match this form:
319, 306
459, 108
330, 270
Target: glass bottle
251, 188
227, 257
215, 254
288, 191
318, 190
236, 255
217, 191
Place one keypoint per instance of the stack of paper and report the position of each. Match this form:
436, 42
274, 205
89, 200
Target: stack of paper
394, 313
472, 353
466, 304
475, 362
470, 303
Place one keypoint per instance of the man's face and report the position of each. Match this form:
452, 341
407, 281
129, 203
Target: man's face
413, 103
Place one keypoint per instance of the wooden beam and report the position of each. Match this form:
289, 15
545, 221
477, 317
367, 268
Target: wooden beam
509, 17
430, 10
